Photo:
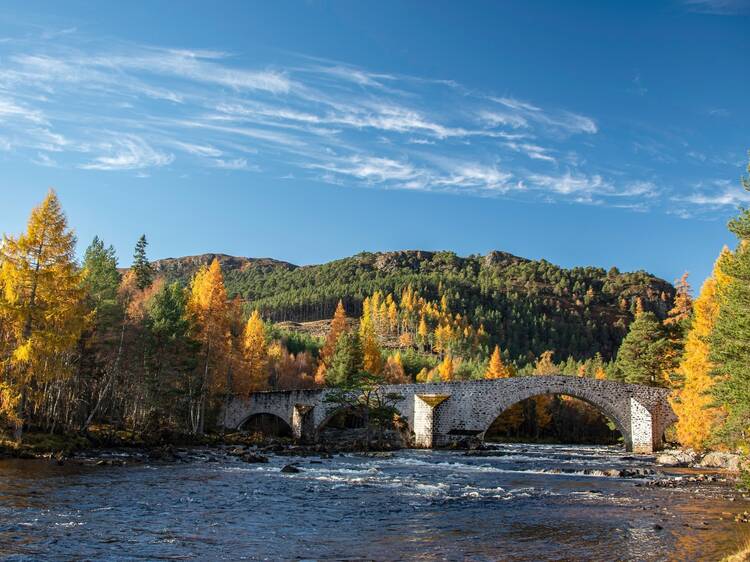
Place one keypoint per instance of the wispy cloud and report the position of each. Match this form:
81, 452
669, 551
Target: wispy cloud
718, 112
128, 153
718, 7
81, 103
533, 151
10, 110
234, 164
718, 193
523, 112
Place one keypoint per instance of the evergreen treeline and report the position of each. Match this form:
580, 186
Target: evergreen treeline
525, 306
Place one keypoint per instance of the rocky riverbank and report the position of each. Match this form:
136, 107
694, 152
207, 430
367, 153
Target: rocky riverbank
120, 448
687, 458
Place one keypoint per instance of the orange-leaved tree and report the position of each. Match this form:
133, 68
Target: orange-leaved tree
41, 307
256, 354
372, 358
208, 312
338, 327
693, 402
497, 369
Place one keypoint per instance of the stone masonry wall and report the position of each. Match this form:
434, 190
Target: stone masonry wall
641, 413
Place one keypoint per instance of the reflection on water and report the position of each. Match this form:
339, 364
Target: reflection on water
414, 504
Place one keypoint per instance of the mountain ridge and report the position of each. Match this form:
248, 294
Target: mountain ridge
527, 306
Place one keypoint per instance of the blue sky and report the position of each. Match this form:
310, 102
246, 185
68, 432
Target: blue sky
594, 133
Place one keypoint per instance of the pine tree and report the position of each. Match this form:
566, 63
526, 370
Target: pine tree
693, 400
169, 351
641, 357
144, 272
730, 339
497, 369
100, 277
347, 360
41, 305
100, 347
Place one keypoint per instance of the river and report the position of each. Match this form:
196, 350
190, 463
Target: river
525, 502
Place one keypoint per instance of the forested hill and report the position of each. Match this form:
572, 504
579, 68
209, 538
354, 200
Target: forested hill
526, 306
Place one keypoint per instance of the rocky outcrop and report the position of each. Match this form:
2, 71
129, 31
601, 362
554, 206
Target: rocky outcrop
726, 461
714, 459
185, 267
676, 457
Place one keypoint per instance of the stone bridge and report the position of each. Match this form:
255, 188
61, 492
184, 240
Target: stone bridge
439, 413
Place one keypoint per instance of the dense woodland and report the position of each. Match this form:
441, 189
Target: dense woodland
161, 346
525, 306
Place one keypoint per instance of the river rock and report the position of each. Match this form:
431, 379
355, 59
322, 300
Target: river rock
291, 469
637, 472
253, 458
676, 458
727, 461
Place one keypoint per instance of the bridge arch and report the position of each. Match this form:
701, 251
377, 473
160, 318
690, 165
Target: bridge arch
599, 403
332, 412
330, 415
499, 396
267, 421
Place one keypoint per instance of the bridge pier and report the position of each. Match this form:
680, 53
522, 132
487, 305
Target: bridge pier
424, 418
303, 425
641, 429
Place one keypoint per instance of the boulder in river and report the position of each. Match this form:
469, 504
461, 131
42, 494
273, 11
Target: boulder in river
676, 458
727, 461
253, 458
291, 469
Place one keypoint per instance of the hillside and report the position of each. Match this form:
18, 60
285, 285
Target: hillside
526, 306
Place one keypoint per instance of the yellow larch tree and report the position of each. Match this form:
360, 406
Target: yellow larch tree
392, 315
338, 327
423, 332
446, 369
423, 375
497, 369
405, 340
372, 358
544, 364
692, 402
208, 313
256, 354
41, 306
235, 361
394, 370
